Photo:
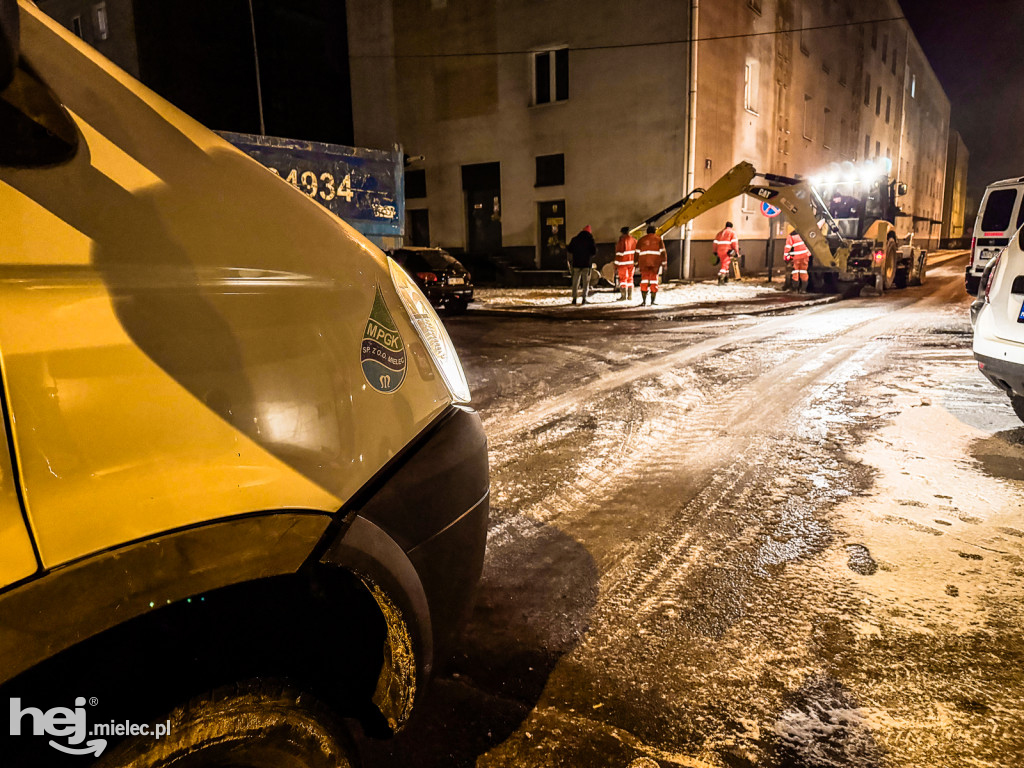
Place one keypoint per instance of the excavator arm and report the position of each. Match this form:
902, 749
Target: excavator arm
797, 199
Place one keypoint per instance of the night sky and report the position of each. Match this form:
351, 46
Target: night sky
975, 46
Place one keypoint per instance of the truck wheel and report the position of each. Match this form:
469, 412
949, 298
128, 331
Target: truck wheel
256, 726
1018, 405
919, 278
888, 271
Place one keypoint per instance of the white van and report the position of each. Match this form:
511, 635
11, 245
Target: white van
1000, 215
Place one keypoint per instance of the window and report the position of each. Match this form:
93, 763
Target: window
550, 170
867, 145
913, 86
99, 14
874, 37
878, 148
826, 129
885, 48
867, 91
755, 6
551, 76
415, 184
76, 25
878, 101
894, 61
804, 49
998, 209
808, 118
888, 107
751, 82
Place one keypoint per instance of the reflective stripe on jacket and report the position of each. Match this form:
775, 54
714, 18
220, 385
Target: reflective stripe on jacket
795, 248
650, 252
725, 241
625, 250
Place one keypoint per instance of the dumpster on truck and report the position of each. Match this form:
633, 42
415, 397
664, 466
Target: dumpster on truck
363, 187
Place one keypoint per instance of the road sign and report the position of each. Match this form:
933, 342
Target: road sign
769, 210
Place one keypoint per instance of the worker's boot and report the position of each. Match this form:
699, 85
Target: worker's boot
622, 293
629, 293
643, 298
653, 296
719, 279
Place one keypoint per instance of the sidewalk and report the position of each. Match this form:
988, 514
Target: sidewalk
703, 300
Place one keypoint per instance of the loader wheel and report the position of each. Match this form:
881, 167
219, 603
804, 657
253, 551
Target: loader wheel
900, 279
889, 272
1018, 405
919, 278
254, 725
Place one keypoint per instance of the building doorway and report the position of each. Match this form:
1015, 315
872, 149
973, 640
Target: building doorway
551, 221
482, 184
418, 226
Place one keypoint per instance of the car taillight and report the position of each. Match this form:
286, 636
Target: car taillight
879, 257
427, 277
992, 274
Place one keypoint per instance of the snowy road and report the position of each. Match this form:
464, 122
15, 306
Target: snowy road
763, 541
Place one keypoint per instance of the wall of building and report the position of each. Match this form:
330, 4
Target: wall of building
954, 202
119, 43
794, 86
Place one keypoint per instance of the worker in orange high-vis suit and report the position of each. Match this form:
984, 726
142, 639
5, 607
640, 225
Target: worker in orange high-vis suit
797, 252
652, 258
625, 261
727, 246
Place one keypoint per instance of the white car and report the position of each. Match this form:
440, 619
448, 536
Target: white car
999, 323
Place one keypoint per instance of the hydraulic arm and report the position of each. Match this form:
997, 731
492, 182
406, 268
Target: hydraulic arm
799, 202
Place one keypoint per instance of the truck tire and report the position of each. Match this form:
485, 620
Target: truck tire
1017, 402
254, 725
919, 277
888, 271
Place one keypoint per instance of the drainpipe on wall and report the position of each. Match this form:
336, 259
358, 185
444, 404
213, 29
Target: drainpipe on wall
691, 137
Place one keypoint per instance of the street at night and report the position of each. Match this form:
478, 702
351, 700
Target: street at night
446, 384
784, 540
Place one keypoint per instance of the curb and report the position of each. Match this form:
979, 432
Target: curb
660, 313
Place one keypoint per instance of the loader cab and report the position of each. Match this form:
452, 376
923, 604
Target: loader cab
857, 201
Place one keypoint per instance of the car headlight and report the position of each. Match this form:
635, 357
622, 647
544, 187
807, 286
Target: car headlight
431, 331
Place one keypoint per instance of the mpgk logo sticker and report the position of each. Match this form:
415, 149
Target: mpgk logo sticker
382, 354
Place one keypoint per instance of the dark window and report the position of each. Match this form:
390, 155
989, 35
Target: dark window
481, 176
878, 101
885, 47
867, 145
415, 185
562, 74
542, 78
998, 210
550, 170
755, 6
1020, 217
888, 107
867, 91
76, 25
894, 61
878, 148
874, 37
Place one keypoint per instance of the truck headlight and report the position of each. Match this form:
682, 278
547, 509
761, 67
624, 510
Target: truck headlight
430, 329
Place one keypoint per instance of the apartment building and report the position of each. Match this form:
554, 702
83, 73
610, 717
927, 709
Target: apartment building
535, 120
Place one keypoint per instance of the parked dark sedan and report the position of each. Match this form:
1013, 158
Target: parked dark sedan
439, 275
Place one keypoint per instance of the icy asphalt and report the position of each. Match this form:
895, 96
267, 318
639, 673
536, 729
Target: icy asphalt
793, 539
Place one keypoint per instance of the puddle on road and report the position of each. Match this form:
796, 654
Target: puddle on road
861, 560
1001, 455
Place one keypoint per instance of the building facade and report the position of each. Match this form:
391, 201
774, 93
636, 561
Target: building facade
525, 123
109, 27
955, 225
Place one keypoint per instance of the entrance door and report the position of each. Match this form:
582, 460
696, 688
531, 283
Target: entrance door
482, 185
551, 218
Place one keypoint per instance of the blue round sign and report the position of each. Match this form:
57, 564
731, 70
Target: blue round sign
769, 210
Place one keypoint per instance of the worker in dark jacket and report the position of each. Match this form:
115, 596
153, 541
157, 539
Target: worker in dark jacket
582, 250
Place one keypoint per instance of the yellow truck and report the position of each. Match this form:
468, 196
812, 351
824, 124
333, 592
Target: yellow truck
242, 492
